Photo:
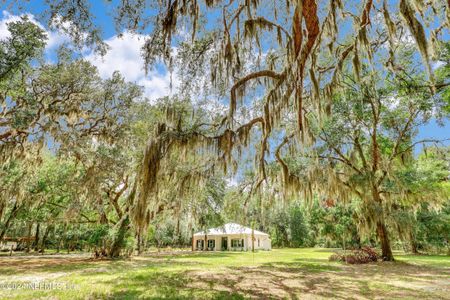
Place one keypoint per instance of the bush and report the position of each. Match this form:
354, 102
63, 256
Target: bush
359, 256
371, 253
335, 257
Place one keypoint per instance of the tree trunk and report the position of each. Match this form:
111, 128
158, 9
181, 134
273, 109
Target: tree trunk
386, 252
138, 242
357, 240
36, 237
144, 243
253, 240
2, 209
30, 228
412, 240
118, 240
7, 223
44, 238
177, 232
382, 233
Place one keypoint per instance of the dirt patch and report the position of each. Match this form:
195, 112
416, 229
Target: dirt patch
373, 281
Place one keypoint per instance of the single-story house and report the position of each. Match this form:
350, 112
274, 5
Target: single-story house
231, 236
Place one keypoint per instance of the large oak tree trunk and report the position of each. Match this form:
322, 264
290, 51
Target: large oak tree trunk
119, 239
386, 252
382, 233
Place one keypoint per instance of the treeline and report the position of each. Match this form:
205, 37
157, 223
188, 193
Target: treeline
335, 225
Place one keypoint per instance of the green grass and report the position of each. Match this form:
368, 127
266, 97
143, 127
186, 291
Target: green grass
277, 274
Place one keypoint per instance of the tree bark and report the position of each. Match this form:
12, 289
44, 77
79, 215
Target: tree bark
386, 252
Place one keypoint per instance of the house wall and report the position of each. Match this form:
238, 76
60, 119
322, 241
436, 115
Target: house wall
7, 245
217, 239
264, 242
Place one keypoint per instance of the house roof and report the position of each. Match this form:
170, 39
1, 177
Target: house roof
230, 228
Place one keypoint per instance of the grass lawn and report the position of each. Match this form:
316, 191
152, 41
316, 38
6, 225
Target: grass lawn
278, 274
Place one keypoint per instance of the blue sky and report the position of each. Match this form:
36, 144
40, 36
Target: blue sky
124, 55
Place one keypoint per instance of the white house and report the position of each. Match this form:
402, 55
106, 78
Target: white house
231, 236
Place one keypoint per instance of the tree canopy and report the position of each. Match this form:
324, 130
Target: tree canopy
324, 101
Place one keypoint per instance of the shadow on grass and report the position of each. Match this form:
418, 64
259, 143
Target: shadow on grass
269, 281
193, 254
166, 285
304, 265
21, 264
17, 265
169, 276
320, 278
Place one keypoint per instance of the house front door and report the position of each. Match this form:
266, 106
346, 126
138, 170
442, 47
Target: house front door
224, 243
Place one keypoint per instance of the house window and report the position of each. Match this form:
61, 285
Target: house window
211, 244
258, 242
200, 244
237, 243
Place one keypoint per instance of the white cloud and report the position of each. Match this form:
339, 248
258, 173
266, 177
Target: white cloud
54, 38
231, 182
437, 64
124, 55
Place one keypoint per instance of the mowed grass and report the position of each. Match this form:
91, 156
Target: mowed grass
276, 274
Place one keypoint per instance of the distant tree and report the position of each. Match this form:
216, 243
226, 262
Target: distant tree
298, 228
25, 42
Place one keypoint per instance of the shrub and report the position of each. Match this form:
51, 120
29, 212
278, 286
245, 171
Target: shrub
371, 253
335, 257
359, 256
